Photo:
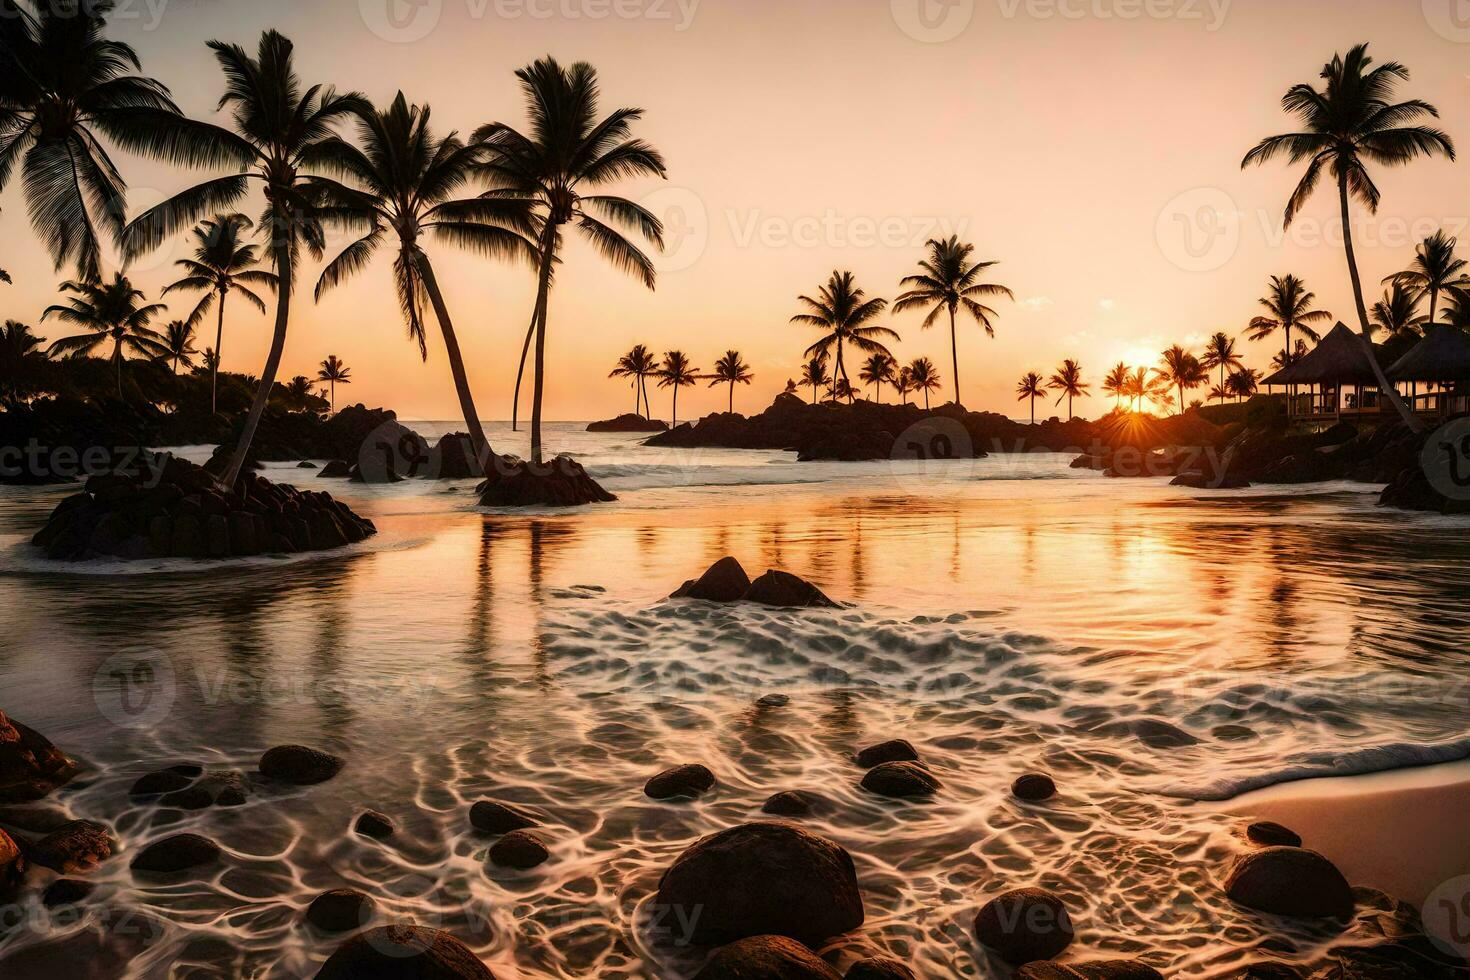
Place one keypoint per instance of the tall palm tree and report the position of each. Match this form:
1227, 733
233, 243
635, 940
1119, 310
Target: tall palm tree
1398, 311
1290, 307
844, 314
18, 345
637, 364
64, 89
298, 393
877, 371
278, 127
948, 281
677, 372
1284, 358
730, 370
1183, 371
568, 152
223, 263
1144, 384
903, 383
924, 377
334, 371
1116, 384
814, 373
1031, 386
1220, 353
1243, 383
1434, 270
109, 311
178, 341
1351, 122
1068, 380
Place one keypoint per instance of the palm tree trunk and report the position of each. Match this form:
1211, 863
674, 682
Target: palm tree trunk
1033, 409
1433, 305
1410, 419
219, 343
117, 363
676, 408
647, 405
954, 356
926, 399
481, 444
333, 384
732, 398
548, 255
515, 404
284, 274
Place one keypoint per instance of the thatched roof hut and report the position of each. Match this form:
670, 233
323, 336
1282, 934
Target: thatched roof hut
1338, 360
1443, 356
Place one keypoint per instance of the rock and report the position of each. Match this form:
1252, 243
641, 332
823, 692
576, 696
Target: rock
341, 910
785, 591
166, 780
901, 780
299, 765
227, 789
66, 891
1233, 733
1094, 970
764, 879
1211, 481
1268, 834
403, 952
306, 464
629, 423
765, 958
1034, 787
772, 701
376, 825
454, 458
180, 852
490, 817
1160, 734
1290, 881
680, 782
12, 865
30, 766
562, 482
792, 803
879, 968
519, 849
1024, 925
897, 750
725, 581
77, 848
336, 469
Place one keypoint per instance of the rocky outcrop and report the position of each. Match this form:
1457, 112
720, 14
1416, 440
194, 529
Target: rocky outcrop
76, 848
30, 766
786, 591
562, 482
1290, 881
1024, 925
688, 782
629, 423
724, 581
12, 864
341, 910
879, 968
401, 951
1094, 970
766, 958
299, 765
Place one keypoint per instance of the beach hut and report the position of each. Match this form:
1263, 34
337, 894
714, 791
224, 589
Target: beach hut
1440, 365
1338, 380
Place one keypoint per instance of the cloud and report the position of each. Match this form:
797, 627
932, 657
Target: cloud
1108, 304
1034, 303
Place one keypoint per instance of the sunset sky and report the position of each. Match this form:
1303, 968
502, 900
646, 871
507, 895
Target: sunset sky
1091, 146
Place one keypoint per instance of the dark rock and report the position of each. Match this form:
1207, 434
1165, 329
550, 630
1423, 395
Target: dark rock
562, 482
341, 910
1233, 733
1034, 788
166, 780
1290, 881
786, 591
897, 750
901, 780
77, 848
1268, 834
1095, 970
12, 864
1024, 925
30, 766
629, 423
306, 464
403, 952
454, 458
180, 852
336, 469
765, 958
490, 817
725, 581
299, 765
66, 891
1211, 481
879, 968
1160, 734
378, 826
225, 789
773, 701
680, 782
791, 803
519, 849
764, 879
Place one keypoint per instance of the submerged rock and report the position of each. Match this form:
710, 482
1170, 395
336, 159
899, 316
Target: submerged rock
78, 847
30, 766
67, 891
725, 581
1034, 787
879, 968
1268, 834
629, 423
680, 782
335, 469
764, 879
299, 765
786, 591
399, 952
766, 958
1290, 881
1095, 970
490, 817
901, 780
791, 803
562, 482
1024, 925
341, 910
897, 750
12, 865
378, 826
225, 789
168, 780
519, 849
181, 852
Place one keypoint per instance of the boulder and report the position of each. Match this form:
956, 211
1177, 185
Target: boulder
725, 581
765, 958
764, 879
1211, 481
335, 469
227, 789
562, 482
1094, 970
78, 847
879, 968
791, 803
897, 750
1268, 834
680, 782
12, 865
168, 780
1034, 787
299, 765
772, 701
490, 817
67, 891
378, 826
1024, 925
786, 591
400, 952
341, 910
30, 766
519, 849
1290, 881
181, 852
454, 458
901, 780
629, 423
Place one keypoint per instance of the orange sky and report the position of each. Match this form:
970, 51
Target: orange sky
1076, 141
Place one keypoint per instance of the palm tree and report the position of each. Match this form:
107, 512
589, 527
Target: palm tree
677, 372
298, 393
279, 126
1284, 358
1457, 308
64, 87
877, 371
334, 372
403, 185
1116, 384
845, 314
1433, 271
1243, 383
730, 370
1031, 386
108, 311
791, 386
841, 388
947, 281
223, 263
814, 373
1183, 371
569, 151
18, 344
1068, 380
211, 361
178, 342
637, 364
1353, 121
1398, 311
1290, 307
1143, 384
924, 377
1220, 353
903, 383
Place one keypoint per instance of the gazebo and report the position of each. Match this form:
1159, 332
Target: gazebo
1441, 363
1338, 378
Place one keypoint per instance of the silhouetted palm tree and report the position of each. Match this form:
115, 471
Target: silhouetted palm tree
334, 372
904, 383
1220, 353
948, 281
1145, 384
18, 345
211, 361
223, 263
814, 373
1031, 386
791, 386
1398, 311
840, 389
110, 311
1243, 383
1282, 359
731, 370
1116, 384
1434, 270
637, 364
924, 377
845, 314
298, 393
1183, 371
1290, 306
1457, 308
1351, 122
178, 340
877, 371
570, 151
1068, 380
279, 126
677, 372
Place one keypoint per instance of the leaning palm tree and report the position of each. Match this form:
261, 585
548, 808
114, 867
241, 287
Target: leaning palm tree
1290, 307
1398, 311
223, 263
1068, 381
1220, 353
1031, 386
637, 364
730, 370
109, 311
814, 373
278, 126
924, 377
334, 371
1434, 270
677, 372
877, 371
1351, 122
1116, 384
570, 151
949, 282
178, 342
844, 314
19, 345
1183, 371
